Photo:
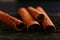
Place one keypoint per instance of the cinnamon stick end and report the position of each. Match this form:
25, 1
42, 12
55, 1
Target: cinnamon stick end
50, 29
40, 17
21, 26
34, 28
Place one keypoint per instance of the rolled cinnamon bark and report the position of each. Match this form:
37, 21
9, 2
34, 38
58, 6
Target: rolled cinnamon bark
48, 25
31, 24
17, 24
36, 14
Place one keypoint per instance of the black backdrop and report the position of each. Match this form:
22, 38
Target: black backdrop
49, 6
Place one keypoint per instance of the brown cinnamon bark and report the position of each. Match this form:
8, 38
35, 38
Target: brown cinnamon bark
17, 24
47, 23
31, 24
36, 14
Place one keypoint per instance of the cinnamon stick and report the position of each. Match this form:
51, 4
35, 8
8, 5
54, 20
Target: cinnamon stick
31, 24
15, 23
48, 25
36, 14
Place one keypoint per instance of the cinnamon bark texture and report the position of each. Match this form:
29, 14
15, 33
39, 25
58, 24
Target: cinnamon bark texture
31, 24
36, 14
15, 23
48, 25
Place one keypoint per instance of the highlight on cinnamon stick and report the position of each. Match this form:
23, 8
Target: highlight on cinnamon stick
47, 23
36, 14
31, 24
15, 23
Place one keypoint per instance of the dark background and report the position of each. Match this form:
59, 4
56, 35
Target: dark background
51, 7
